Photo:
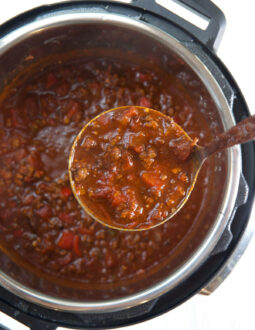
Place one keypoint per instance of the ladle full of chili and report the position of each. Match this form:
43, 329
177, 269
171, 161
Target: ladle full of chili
133, 168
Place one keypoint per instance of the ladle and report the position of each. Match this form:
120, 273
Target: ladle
181, 156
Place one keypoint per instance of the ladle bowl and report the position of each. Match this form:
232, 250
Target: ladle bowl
186, 158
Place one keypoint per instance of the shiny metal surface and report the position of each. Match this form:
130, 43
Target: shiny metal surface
199, 65
235, 256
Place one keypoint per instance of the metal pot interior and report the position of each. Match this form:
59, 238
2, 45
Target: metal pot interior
91, 34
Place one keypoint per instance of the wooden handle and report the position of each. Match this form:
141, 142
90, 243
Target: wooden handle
242, 132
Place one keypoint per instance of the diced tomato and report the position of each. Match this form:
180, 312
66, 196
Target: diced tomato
66, 240
144, 102
76, 247
44, 212
51, 80
153, 180
66, 191
66, 218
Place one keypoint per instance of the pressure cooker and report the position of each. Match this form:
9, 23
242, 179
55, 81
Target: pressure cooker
131, 28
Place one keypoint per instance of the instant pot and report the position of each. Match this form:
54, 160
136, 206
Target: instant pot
135, 27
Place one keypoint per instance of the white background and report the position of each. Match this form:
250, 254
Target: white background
231, 306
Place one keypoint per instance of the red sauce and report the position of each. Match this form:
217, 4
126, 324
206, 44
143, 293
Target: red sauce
42, 224
129, 167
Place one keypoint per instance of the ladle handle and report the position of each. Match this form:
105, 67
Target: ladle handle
242, 132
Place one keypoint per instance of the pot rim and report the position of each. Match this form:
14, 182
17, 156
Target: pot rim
69, 17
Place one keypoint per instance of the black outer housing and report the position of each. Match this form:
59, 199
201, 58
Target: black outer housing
40, 318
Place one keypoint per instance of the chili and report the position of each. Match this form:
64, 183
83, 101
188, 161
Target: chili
40, 116
130, 169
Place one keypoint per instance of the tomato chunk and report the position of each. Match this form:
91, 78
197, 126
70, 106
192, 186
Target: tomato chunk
66, 192
66, 240
153, 180
76, 247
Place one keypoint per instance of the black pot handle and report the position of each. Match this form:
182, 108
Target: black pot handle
211, 36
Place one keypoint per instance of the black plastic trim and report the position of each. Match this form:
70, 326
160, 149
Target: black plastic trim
211, 36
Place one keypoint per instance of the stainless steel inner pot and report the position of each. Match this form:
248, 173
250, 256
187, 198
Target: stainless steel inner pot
71, 29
